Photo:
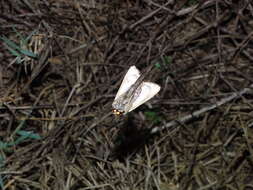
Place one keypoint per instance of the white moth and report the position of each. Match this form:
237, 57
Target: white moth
133, 93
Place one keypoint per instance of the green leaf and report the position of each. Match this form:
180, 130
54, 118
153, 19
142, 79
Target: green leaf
1, 182
153, 116
192, 2
23, 136
10, 43
18, 140
158, 65
28, 134
1, 160
167, 60
13, 52
20, 125
14, 48
150, 114
3, 145
28, 53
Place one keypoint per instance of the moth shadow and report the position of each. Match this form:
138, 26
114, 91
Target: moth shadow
129, 140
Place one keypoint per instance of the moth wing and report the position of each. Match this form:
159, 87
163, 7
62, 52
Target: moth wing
130, 78
148, 90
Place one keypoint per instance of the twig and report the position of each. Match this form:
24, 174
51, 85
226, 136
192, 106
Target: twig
203, 110
148, 16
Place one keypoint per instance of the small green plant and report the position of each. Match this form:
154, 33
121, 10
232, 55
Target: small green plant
192, 2
23, 135
166, 60
153, 117
20, 50
1, 167
1, 182
17, 137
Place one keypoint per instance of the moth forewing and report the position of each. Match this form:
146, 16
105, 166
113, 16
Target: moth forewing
133, 92
130, 78
145, 92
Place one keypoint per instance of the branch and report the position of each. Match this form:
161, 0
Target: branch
197, 113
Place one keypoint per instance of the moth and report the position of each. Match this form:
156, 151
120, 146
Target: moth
133, 92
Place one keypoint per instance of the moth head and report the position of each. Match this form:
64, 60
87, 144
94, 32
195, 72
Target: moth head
117, 112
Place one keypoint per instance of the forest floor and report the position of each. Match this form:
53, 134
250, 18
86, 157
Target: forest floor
62, 63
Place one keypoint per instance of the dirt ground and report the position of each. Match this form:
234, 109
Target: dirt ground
62, 63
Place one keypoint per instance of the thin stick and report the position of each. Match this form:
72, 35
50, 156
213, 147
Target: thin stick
203, 110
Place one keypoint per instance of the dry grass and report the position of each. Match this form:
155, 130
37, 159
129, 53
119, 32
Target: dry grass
202, 50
